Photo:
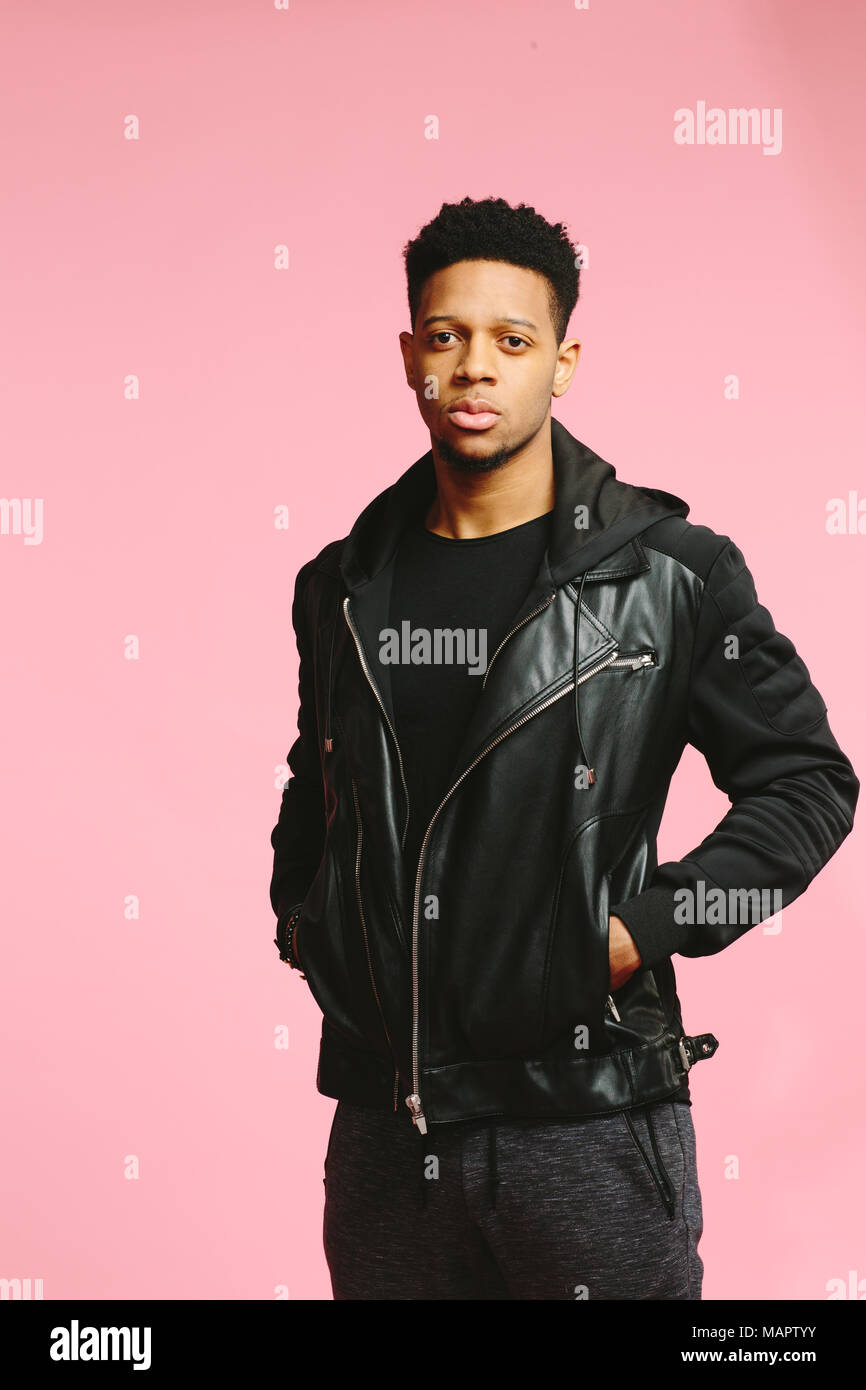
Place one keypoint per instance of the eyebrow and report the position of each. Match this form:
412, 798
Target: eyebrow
454, 318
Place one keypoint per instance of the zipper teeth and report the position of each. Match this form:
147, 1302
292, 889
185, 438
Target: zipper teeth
599, 666
363, 919
372, 686
511, 634
639, 659
608, 660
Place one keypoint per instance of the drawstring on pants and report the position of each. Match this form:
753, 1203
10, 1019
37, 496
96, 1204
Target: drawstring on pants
670, 1200
666, 1192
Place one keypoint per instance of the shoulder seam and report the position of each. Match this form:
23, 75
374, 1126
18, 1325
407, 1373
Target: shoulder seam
725, 542
704, 583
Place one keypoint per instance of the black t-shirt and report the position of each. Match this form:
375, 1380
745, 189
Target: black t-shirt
472, 590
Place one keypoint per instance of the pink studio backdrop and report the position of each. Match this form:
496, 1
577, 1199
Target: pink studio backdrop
160, 776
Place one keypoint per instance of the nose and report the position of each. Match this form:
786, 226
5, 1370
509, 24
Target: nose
476, 362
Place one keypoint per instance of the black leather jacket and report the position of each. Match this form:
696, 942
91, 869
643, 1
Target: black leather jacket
481, 988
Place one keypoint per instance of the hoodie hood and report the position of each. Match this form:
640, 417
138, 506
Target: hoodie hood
594, 514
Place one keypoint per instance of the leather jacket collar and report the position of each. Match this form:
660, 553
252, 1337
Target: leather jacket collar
616, 511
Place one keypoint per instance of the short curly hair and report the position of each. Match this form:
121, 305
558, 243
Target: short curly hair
492, 230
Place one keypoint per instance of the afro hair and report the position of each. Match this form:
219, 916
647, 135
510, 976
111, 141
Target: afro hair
492, 230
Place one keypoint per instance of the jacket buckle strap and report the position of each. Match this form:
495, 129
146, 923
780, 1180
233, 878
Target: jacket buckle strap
695, 1049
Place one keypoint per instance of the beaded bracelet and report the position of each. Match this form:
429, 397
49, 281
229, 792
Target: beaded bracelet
287, 950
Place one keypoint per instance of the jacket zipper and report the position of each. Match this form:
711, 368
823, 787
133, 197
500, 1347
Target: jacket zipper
372, 685
635, 660
547, 601
414, 1100
366, 941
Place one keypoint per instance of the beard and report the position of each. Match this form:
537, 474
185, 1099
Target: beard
487, 463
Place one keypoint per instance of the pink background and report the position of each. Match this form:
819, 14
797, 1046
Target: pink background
161, 776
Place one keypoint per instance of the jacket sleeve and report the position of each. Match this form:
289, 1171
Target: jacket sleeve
755, 715
298, 838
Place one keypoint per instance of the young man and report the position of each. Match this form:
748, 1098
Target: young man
500, 667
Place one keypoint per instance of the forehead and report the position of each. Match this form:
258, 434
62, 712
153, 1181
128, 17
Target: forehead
486, 289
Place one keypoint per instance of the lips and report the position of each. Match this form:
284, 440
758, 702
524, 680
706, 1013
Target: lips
473, 414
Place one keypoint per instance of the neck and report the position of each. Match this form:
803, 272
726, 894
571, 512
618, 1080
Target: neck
469, 505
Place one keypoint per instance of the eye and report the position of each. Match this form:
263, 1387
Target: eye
513, 339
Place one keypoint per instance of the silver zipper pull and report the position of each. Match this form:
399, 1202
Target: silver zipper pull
634, 663
614, 1010
414, 1104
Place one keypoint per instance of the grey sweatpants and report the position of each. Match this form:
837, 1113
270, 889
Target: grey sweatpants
577, 1209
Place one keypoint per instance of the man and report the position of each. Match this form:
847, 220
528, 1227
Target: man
500, 667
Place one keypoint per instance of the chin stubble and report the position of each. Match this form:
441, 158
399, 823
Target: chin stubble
488, 463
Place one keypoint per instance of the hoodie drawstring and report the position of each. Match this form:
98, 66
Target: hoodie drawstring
583, 754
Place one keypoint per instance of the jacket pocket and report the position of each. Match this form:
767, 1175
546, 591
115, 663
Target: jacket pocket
636, 1013
576, 971
333, 960
649, 1130
576, 992
398, 926
362, 917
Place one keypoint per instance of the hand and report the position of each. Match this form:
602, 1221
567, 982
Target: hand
623, 955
